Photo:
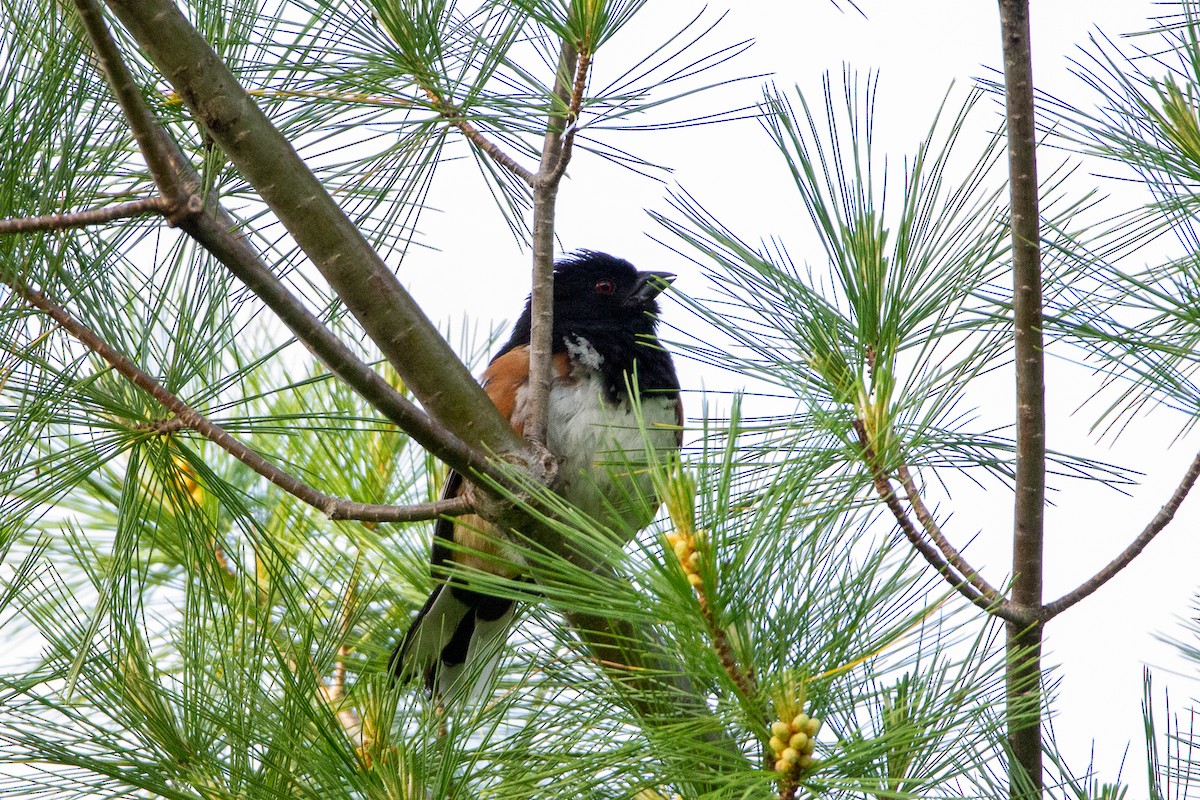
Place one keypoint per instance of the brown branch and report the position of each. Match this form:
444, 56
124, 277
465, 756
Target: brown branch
82, 219
1160, 521
935, 532
454, 115
1023, 701
1030, 476
545, 197
683, 543
146, 131
720, 643
334, 695
556, 154
161, 427
332, 507
220, 557
216, 230
992, 602
350, 721
574, 108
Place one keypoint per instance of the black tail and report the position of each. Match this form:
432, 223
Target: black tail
455, 639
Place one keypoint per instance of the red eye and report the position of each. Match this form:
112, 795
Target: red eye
605, 287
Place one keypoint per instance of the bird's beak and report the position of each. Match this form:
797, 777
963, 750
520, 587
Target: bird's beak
649, 286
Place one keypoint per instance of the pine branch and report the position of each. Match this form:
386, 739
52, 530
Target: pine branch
213, 228
576, 105
82, 219
743, 679
649, 676
454, 115
332, 507
954, 571
370, 290
659, 689
148, 134
935, 533
1160, 521
683, 544
334, 692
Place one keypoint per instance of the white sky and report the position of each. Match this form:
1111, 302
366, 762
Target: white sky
920, 48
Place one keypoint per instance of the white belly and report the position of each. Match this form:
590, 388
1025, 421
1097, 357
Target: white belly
603, 470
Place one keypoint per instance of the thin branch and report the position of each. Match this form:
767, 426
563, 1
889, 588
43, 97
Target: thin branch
545, 197
334, 696
220, 557
334, 693
1160, 521
683, 544
743, 679
146, 131
454, 115
992, 602
935, 532
647, 672
332, 507
576, 105
82, 219
216, 230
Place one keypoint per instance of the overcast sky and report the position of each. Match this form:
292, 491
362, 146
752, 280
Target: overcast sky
920, 49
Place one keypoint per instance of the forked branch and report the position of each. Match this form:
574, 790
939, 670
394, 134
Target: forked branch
354, 270
455, 117
216, 230
658, 687
954, 568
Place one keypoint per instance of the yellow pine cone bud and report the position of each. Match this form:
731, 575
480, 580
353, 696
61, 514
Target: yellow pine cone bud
780, 729
812, 726
790, 755
800, 722
798, 741
783, 766
693, 561
694, 579
777, 745
651, 794
682, 550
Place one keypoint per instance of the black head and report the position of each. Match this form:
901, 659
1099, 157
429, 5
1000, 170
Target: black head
591, 286
598, 292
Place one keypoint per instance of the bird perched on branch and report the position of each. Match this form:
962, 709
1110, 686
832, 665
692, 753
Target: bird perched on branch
604, 346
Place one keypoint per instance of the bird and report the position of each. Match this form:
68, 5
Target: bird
605, 347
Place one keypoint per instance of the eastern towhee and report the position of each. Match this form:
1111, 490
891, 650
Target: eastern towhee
604, 342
